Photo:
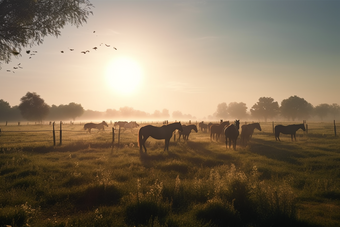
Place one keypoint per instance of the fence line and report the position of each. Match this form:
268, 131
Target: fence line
117, 135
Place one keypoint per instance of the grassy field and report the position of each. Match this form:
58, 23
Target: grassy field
86, 182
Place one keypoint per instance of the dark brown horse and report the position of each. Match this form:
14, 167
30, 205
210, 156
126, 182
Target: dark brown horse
217, 129
186, 131
289, 129
100, 126
247, 132
164, 132
232, 133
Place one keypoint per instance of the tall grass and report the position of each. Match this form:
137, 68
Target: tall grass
196, 183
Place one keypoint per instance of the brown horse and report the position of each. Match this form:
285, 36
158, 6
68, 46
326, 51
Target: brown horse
289, 129
186, 131
131, 125
100, 126
203, 126
217, 129
120, 123
164, 132
232, 133
247, 132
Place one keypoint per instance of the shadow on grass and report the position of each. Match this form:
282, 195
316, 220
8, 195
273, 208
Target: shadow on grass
189, 152
277, 150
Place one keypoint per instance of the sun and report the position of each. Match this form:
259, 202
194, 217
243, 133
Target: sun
123, 75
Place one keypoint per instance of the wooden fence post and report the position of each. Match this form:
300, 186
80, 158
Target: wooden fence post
334, 128
113, 136
61, 132
53, 135
273, 127
119, 136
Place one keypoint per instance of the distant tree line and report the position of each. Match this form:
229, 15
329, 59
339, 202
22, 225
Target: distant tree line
34, 108
291, 109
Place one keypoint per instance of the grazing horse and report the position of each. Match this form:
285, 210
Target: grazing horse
289, 129
232, 133
120, 123
217, 129
209, 125
131, 125
100, 126
163, 132
186, 131
203, 126
247, 132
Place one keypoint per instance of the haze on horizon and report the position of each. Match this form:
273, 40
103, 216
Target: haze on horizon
186, 56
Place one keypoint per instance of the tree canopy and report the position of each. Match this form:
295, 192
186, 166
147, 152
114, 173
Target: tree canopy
296, 108
265, 108
33, 108
236, 110
24, 23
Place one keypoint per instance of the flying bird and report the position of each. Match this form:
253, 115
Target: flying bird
95, 48
83, 52
62, 51
15, 52
115, 48
107, 45
71, 49
28, 51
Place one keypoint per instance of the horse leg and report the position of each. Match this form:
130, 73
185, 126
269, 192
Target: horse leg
144, 140
234, 144
226, 142
166, 146
277, 136
294, 135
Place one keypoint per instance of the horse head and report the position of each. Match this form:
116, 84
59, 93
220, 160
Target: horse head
195, 128
303, 127
104, 123
179, 126
237, 124
258, 126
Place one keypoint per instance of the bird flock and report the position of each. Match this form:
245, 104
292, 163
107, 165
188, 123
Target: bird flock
31, 53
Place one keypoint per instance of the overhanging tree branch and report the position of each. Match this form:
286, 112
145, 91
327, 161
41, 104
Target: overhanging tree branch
26, 22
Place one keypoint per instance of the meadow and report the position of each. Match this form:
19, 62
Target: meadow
86, 182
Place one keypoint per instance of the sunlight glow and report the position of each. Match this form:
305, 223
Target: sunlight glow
123, 75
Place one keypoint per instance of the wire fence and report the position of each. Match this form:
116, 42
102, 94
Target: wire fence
61, 134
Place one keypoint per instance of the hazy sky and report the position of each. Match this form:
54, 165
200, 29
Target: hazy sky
190, 56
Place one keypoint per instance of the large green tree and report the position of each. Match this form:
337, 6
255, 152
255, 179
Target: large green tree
5, 110
335, 111
296, 108
33, 108
322, 110
66, 112
24, 23
222, 111
265, 108
237, 110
